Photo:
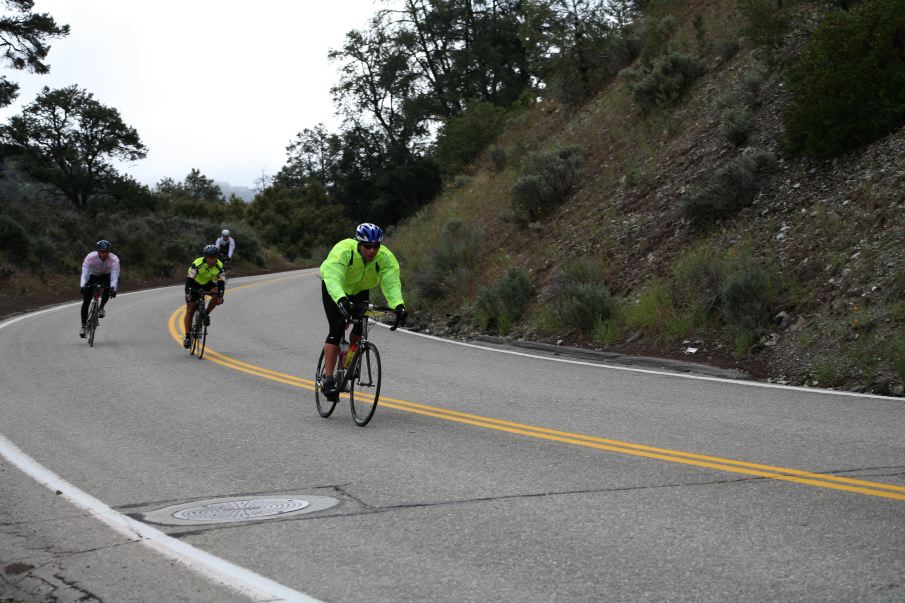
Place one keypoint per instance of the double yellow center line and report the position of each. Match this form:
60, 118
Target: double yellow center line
819, 480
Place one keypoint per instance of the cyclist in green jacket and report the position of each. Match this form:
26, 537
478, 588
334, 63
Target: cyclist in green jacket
204, 274
351, 269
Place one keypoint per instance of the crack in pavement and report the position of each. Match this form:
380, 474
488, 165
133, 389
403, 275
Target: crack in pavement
368, 509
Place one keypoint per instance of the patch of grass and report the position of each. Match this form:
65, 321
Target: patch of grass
825, 374
654, 313
867, 363
744, 341
606, 331
898, 357
897, 311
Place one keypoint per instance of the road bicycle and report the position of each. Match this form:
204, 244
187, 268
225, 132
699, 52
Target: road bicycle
200, 322
224, 259
358, 370
94, 318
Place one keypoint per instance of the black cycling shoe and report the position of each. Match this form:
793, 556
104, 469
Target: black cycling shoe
329, 389
101, 313
207, 321
84, 332
186, 343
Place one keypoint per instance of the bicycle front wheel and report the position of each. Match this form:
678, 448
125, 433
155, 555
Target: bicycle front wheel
92, 323
324, 406
364, 384
203, 342
195, 333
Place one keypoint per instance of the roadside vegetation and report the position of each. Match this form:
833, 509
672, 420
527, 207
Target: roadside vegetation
667, 178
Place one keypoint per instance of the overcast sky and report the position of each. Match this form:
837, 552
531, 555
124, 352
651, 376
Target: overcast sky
218, 85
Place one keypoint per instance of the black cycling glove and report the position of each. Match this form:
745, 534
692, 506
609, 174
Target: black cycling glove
345, 308
401, 315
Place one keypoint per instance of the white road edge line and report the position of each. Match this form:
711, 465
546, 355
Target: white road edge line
604, 365
210, 567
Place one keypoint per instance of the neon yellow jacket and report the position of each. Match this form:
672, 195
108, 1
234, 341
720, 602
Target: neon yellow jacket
345, 272
202, 274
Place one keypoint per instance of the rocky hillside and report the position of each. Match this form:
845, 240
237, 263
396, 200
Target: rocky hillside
829, 234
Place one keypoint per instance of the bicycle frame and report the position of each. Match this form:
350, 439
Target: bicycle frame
358, 371
347, 360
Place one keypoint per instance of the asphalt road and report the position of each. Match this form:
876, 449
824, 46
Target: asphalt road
484, 475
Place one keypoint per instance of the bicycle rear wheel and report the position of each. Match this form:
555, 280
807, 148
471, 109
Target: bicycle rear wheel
364, 384
324, 406
92, 323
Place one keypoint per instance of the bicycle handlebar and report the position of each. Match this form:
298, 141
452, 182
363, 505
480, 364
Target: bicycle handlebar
372, 311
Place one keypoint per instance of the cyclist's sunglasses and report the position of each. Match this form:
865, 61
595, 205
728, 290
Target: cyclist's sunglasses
371, 245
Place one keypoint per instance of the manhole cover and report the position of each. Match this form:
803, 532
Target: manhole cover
242, 510
246, 508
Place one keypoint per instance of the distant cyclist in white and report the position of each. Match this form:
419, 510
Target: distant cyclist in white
100, 267
227, 245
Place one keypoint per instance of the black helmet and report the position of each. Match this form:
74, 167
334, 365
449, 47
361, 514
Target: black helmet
211, 251
103, 245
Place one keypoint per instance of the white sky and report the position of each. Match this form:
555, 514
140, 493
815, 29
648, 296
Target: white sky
218, 85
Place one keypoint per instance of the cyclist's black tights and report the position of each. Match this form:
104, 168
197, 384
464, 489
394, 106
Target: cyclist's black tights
104, 281
335, 318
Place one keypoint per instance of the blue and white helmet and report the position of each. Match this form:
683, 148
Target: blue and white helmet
369, 233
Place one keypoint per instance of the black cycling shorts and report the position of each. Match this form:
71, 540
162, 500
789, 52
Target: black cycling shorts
335, 317
196, 289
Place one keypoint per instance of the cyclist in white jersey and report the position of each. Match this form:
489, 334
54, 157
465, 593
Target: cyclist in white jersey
227, 245
100, 267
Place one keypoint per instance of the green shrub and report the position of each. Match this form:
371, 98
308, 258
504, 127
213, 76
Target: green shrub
752, 84
548, 179
655, 38
579, 71
503, 305
848, 85
486, 308
583, 305
737, 123
13, 238
42, 252
726, 49
448, 267
463, 137
766, 22
729, 189
497, 157
697, 277
666, 81
746, 295
514, 291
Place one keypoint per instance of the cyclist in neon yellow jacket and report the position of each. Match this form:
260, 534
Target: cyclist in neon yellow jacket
352, 268
204, 274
